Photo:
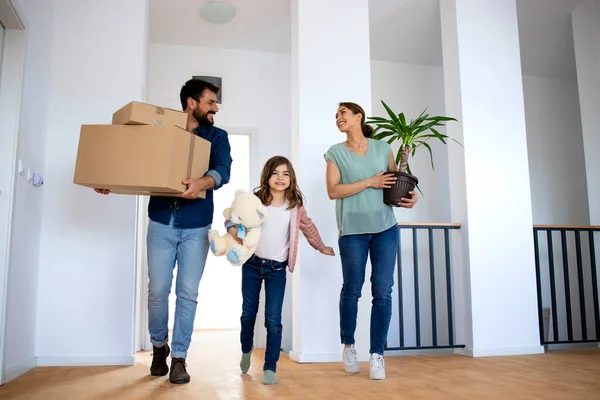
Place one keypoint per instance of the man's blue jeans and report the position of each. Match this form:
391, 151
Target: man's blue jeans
189, 248
254, 271
383, 248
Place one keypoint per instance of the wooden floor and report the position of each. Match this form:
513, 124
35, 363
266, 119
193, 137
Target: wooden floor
213, 364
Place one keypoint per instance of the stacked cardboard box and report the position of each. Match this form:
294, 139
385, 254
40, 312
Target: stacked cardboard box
146, 151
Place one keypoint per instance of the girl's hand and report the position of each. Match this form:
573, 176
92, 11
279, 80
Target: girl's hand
381, 180
328, 251
232, 230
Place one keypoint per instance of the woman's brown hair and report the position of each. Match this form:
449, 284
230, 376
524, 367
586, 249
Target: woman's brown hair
292, 193
367, 130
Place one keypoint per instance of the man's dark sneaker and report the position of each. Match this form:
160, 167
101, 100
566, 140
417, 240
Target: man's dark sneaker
178, 372
159, 365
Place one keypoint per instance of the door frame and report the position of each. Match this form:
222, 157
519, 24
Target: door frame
141, 339
11, 82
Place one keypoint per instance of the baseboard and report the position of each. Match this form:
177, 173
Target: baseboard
20, 369
427, 352
315, 358
84, 361
572, 346
501, 351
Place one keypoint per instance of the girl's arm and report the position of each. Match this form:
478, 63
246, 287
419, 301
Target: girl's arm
337, 190
311, 233
232, 230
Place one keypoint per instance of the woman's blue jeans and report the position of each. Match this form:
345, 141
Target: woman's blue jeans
354, 249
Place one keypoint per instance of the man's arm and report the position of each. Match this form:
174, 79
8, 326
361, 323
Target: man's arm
220, 163
219, 172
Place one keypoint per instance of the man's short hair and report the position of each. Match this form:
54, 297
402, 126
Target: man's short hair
194, 88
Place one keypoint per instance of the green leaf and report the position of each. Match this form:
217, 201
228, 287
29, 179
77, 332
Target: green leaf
424, 127
373, 120
429, 136
417, 186
446, 136
383, 135
428, 147
402, 119
441, 118
386, 126
393, 116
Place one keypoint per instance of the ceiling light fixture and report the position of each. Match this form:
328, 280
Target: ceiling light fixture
217, 11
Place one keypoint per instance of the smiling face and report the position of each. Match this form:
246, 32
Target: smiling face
205, 108
346, 119
280, 179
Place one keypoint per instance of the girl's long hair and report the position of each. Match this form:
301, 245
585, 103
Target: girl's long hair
293, 194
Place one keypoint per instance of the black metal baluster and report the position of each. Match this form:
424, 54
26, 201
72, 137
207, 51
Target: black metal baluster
432, 284
594, 283
552, 286
400, 294
449, 287
416, 280
581, 288
538, 277
565, 258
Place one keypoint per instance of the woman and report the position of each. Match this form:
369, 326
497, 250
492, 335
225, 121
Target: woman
366, 225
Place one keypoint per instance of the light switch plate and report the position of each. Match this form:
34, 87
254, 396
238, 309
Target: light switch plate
21, 169
29, 175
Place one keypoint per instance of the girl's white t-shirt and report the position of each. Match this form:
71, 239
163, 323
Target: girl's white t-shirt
274, 242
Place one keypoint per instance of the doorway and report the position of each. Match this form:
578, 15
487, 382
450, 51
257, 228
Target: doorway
12, 59
219, 295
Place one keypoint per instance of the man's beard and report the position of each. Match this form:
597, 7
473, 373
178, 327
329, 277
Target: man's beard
203, 118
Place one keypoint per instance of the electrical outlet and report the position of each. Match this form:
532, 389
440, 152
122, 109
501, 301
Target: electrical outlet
21, 170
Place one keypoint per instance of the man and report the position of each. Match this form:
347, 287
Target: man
178, 232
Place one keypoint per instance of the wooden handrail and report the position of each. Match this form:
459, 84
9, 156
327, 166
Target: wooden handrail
587, 227
432, 224
458, 225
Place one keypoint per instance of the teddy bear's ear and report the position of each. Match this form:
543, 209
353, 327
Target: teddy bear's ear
262, 213
239, 191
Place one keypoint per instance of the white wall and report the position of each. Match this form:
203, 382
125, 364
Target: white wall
411, 89
323, 75
23, 273
256, 91
586, 35
97, 63
555, 148
256, 97
553, 132
559, 191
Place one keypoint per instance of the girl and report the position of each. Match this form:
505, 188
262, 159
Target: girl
277, 248
355, 179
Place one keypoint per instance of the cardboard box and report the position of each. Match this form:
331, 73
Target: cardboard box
140, 159
136, 113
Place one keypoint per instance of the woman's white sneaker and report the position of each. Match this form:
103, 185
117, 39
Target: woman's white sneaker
351, 364
377, 366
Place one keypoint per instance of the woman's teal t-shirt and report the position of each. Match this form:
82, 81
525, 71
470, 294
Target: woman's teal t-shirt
364, 212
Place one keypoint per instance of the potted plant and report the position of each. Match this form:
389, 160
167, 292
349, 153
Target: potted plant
411, 136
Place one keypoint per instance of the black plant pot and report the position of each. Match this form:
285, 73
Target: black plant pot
405, 183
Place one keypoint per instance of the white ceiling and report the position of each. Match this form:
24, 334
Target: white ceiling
260, 25
405, 31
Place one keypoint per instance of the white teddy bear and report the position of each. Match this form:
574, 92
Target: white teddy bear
248, 214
